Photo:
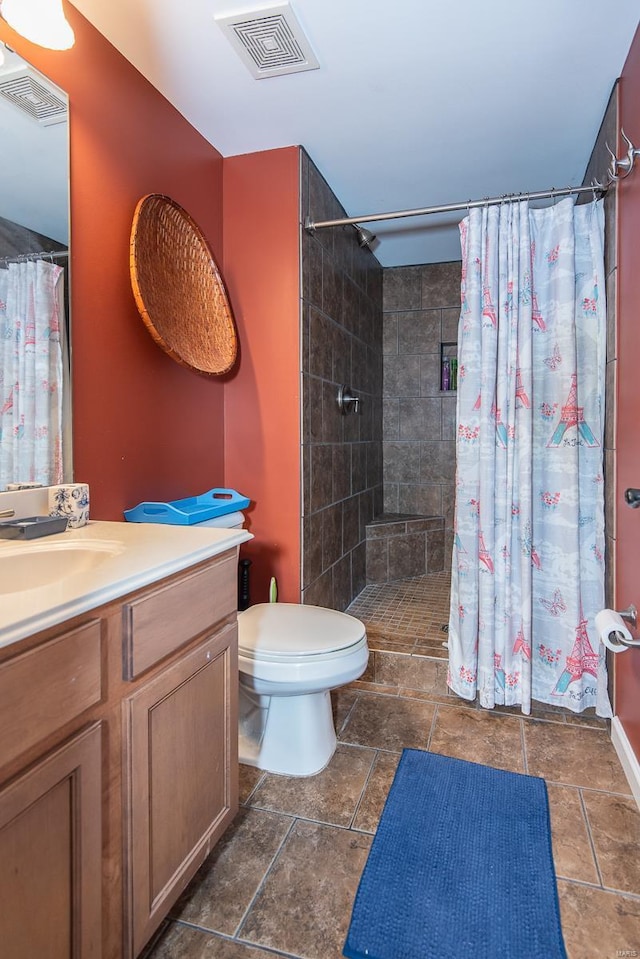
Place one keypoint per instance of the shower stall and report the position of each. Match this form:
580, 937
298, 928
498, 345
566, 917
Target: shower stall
377, 486
389, 334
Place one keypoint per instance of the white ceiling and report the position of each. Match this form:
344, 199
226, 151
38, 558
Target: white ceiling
416, 102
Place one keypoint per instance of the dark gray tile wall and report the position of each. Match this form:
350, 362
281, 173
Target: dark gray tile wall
596, 169
402, 546
341, 344
421, 307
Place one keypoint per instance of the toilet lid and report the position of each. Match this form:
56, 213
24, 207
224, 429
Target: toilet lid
289, 630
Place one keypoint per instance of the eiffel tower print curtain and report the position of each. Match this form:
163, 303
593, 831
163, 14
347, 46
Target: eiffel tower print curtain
528, 554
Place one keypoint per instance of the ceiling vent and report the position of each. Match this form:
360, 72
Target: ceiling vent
270, 42
41, 102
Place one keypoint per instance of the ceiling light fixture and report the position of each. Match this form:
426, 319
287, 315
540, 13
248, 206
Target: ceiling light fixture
41, 21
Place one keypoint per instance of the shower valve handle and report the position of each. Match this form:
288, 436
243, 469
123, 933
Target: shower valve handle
632, 497
348, 402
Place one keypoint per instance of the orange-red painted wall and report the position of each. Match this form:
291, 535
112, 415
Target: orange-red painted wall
627, 665
143, 426
262, 399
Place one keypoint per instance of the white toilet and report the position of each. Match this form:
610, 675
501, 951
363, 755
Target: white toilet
290, 656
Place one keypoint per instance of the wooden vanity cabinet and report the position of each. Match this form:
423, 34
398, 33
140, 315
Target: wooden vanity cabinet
50, 854
182, 735
118, 764
51, 796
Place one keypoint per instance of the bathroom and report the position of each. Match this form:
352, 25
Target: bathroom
138, 418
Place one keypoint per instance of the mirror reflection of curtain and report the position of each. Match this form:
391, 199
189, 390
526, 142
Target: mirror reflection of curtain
31, 373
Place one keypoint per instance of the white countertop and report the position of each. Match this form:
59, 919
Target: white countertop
135, 555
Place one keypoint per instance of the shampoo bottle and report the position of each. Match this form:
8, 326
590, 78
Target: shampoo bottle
446, 373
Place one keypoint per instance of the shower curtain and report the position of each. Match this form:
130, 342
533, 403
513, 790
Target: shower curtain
30, 373
528, 553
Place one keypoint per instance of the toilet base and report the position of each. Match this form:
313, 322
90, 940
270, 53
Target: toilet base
289, 735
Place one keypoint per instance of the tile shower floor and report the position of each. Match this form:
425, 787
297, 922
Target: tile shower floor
282, 880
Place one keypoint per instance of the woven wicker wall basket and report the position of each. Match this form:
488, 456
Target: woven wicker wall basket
178, 289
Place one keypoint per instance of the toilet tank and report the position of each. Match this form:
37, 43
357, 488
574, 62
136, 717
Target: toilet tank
228, 521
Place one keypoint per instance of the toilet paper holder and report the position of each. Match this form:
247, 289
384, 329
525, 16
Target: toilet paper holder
613, 631
630, 615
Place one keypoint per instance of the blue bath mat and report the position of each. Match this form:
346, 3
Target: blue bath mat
460, 867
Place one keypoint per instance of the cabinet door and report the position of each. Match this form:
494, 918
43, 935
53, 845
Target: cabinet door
50, 855
182, 756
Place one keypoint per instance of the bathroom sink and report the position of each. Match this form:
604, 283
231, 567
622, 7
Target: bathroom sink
34, 565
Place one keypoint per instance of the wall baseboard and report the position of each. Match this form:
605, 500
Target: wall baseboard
626, 756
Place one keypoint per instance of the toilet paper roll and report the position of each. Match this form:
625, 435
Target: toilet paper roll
70, 500
608, 623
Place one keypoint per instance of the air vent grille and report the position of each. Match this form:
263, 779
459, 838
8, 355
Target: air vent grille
270, 41
41, 103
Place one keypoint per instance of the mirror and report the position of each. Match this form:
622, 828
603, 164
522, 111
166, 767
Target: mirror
34, 228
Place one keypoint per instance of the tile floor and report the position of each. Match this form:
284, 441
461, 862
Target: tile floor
282, 880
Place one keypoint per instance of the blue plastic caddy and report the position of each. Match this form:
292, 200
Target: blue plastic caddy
187, 512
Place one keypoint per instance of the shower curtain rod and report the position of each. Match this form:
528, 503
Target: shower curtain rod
311, 226
40, 255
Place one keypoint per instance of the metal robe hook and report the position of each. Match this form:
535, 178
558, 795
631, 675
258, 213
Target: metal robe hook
620, 169
632, 153
611, 169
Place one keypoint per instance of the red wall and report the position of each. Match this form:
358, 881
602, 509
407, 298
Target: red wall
144, 427
262, 400
627, 665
